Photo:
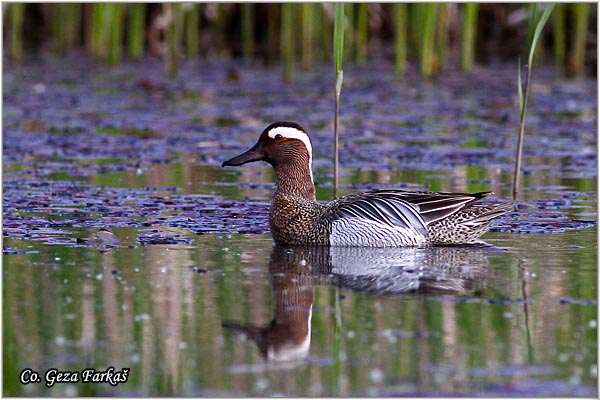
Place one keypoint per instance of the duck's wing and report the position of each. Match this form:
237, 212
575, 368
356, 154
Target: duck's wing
429, 206
392, 211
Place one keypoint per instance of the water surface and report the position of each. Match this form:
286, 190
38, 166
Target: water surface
233, 315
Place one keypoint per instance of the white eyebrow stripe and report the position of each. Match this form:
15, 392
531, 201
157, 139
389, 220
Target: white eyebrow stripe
293, 133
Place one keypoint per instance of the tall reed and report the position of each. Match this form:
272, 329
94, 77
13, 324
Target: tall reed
338, 51
192, 29
327, 26
173, 34
401, 17
99, 31
362, 32
16, 16
580, 23
536, 26
247, 30
442, 37
273, 39
288, 54
422, 31
427, 45
469, 29
116, 32
308, 34
65, 35
135, 35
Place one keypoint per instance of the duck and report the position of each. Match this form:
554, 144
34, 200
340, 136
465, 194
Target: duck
376, 218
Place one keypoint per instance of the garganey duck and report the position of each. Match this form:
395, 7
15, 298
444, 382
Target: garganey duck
378, 218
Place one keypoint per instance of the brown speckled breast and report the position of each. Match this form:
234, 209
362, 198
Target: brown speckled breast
297, 220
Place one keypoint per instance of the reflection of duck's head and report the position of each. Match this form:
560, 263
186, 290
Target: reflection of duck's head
282, 343
287, 337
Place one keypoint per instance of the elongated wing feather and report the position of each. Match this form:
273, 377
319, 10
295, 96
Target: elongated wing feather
430, 206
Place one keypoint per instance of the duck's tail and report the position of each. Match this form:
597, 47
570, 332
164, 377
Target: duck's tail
466, 225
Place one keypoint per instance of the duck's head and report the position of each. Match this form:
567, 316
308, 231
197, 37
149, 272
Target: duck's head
280, 144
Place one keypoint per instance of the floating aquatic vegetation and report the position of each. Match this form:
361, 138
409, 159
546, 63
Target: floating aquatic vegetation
84, 148
154, 236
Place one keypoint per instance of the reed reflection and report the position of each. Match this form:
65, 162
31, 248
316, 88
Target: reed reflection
296, 270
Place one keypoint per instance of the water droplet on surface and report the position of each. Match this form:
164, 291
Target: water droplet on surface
376, 375
141, 317
39, 88
261, 385
593, 324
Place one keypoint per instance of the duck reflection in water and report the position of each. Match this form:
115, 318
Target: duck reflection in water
296, 270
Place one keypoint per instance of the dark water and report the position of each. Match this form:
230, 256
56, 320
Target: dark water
196, 301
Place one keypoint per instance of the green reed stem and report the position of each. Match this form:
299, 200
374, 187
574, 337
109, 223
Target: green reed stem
192, 31
16, 17
326, 30
102, 20
96, 30
287, 40
416, 12
338, 51
220, 26
469, 31
173, 34
430, 12
57, 26
116, 32
72, 13
442, 40
580, 23
401, 16
533, 18
362, 32
537, 26
273, 34
318, 33
136, 32
308, 34
248, 30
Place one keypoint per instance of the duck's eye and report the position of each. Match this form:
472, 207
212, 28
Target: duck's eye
278, 136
